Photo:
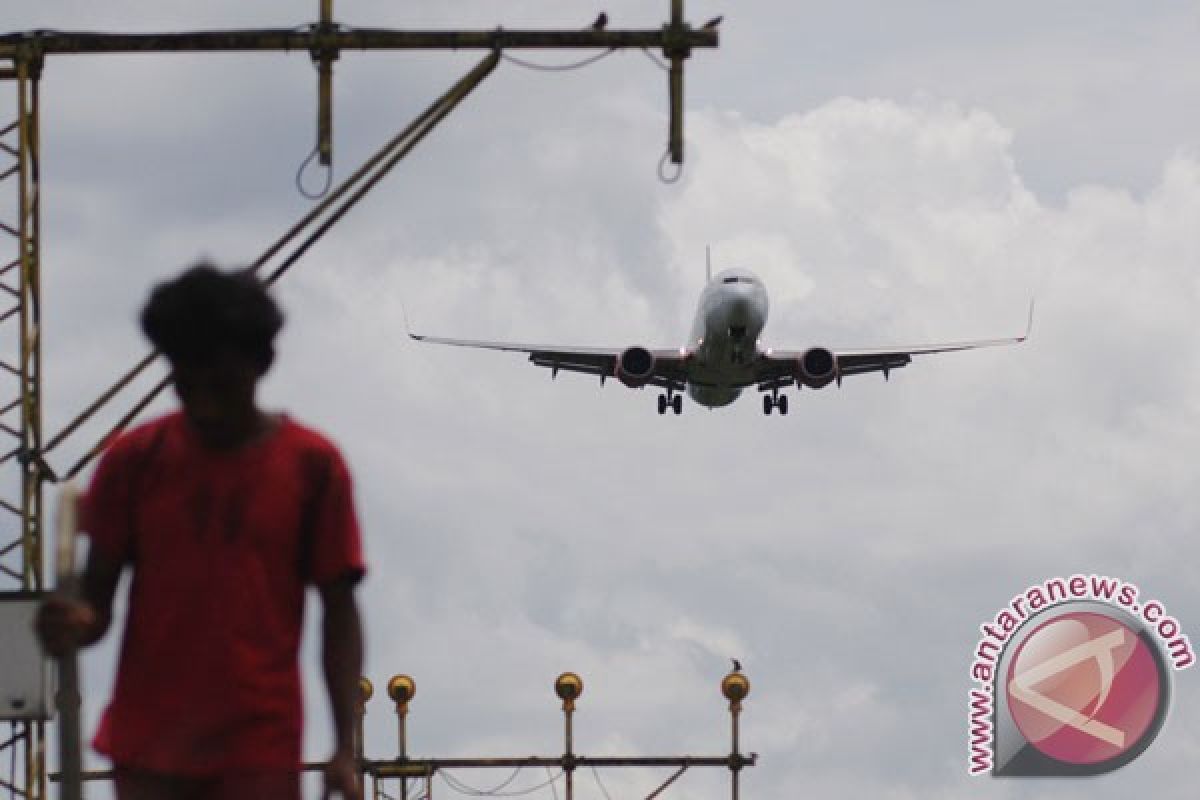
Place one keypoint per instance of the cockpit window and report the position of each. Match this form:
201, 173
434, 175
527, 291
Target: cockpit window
737, 279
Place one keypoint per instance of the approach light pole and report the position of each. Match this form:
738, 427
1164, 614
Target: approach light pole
568, 687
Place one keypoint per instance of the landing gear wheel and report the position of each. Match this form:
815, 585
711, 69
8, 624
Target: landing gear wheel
662, 404
782, 403
677, 404
768, 404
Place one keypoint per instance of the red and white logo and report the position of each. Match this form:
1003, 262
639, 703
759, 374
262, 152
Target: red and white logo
1084, 688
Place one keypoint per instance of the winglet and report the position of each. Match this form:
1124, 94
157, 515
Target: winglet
407, 327
708, 262
1029, 324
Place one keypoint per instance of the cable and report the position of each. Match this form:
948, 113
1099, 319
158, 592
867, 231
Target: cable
600, 783
481, 792
324, 190
658, 62
587, 62
662, 173
462, 788
12, 771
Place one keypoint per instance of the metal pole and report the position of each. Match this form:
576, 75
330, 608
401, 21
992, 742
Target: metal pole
69, 739
365, 690
403, 752
735, 752
402, 688
325, 58
568, 686
569, 756
676, 46
735, 687
402, 743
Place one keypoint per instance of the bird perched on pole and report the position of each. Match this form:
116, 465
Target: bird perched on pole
600, 22
712, 23
737, 665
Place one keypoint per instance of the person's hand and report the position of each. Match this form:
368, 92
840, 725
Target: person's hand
341, 777
62, 624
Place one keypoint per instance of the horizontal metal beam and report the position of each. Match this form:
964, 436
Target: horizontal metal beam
671, 38
419, 767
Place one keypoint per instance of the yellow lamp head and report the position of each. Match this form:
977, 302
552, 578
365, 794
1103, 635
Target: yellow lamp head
735, 686
568, 686
401, 689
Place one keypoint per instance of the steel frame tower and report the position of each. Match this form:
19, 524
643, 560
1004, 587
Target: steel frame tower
21, 469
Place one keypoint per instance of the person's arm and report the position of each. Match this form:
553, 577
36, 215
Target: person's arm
64, 622
342, 658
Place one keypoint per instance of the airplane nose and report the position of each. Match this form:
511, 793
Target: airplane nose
738, 311
740, 307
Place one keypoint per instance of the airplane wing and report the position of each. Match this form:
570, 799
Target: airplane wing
779, 368
667, 370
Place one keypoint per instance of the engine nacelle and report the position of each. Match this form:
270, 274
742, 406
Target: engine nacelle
816, 368
635, 366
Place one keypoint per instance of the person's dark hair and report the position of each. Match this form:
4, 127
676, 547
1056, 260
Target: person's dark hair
206, 312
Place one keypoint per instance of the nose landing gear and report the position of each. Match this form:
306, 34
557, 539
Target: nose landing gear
670, 400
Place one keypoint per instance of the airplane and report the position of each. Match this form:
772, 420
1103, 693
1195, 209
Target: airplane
723, 355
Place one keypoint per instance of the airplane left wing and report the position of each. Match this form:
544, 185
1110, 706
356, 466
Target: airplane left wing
633, 366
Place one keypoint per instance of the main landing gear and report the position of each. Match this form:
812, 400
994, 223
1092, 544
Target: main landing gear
775, 400
670, 400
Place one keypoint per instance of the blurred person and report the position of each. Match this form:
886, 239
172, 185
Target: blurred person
224, 513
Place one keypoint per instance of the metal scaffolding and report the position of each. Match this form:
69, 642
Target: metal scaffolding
24, 469
21, 473
407, 771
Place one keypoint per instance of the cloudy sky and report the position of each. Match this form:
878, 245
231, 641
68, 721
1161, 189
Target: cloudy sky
895, 172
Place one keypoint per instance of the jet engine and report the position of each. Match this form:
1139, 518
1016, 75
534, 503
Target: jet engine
635, 366
816, 368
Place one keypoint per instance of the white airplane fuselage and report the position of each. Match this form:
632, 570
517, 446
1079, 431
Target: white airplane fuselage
723, 343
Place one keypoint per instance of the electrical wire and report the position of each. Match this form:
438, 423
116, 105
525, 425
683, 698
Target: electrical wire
658, 62
462, 788
12, 770
600, 783
662, 171
587, 62
484, 792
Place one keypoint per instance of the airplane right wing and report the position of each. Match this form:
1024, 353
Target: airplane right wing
633, 366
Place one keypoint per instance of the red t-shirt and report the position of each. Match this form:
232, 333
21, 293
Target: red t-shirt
222, 546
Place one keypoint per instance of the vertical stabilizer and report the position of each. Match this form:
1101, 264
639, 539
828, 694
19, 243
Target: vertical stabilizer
708, 263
